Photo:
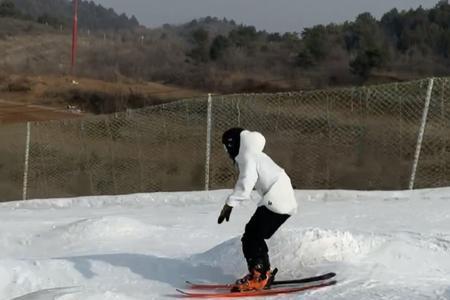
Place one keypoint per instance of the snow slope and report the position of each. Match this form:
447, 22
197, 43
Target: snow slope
383, 245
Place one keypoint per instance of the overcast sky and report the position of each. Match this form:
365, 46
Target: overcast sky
270, 15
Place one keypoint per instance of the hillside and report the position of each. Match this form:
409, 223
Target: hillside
59, 12
219, 56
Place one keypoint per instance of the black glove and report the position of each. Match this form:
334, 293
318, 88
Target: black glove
225, 214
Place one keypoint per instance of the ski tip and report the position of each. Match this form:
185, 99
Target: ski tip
328, 275
182, 292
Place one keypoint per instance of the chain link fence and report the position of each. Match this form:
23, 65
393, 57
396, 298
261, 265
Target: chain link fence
352, 138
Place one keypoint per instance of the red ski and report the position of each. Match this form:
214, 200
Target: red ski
213, 286
268, 292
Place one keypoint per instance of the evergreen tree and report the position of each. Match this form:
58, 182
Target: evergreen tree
200, 53
8, 9
218, 47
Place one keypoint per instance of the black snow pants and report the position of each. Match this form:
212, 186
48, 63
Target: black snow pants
262, 225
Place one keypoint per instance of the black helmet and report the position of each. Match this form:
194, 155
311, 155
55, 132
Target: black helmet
232, 140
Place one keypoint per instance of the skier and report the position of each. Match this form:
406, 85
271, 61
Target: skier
257, 170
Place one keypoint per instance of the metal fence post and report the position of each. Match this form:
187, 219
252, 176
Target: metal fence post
420, 135
208, 141
27, 156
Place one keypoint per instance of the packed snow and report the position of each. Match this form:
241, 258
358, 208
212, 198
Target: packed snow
382, 245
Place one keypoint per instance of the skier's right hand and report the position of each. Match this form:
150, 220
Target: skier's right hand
225, 214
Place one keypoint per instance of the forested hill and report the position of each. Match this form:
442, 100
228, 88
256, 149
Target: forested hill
219, 55
56, 12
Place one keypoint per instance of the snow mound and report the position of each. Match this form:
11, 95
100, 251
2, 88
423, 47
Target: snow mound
178, 199
427, 253
102, 228
314, 246
36, 279
295, 250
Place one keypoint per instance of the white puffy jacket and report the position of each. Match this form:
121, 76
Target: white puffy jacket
257, 170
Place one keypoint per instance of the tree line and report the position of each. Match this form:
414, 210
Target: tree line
401, 43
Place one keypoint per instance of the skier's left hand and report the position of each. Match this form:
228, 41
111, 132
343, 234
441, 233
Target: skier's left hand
225, 214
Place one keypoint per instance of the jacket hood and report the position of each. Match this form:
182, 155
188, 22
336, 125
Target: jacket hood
251, 142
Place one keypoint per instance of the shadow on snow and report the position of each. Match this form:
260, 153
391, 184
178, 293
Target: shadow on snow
166, 270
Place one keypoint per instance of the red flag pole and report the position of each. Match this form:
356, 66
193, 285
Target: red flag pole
74, 34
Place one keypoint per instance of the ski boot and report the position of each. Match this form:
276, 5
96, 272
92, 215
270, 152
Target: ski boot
255, 280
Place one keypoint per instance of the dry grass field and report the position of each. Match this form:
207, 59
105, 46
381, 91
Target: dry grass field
41, 98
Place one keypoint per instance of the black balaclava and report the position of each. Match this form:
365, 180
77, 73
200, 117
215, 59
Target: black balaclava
232, 141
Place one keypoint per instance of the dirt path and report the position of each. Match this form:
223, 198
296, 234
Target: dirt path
13, 112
